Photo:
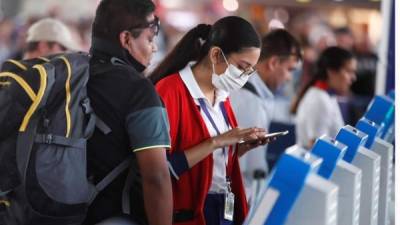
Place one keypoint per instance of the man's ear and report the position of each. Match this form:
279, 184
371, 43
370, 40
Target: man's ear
272, 63
124, 39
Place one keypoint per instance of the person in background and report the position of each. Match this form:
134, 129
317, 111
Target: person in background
194, 81
122, 47
364, 88
316, 107
46, 37
280, 54
344, 38
6, 38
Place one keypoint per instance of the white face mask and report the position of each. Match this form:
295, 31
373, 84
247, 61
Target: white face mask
230, 80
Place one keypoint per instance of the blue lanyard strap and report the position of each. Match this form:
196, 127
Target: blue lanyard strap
203, 107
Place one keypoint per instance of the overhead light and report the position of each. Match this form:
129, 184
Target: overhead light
275, 24
172, 4
182, 20
375, 0
303, 1
230, 5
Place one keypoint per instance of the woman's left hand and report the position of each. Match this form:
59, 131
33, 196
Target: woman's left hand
260, 139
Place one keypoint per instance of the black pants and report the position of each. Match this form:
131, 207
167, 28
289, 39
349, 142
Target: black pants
214, 210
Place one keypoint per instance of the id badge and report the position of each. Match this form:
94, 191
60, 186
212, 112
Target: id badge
229, 206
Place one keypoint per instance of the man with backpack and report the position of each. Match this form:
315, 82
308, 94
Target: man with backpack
123, 43
55, 166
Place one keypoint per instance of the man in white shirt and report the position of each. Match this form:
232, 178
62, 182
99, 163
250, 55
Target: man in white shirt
48, 36
254, 104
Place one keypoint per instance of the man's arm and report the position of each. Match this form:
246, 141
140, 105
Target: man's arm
157, 189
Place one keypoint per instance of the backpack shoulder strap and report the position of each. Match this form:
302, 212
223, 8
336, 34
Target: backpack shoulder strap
13, 65
28, 127
16, 63
110, 177
126, 203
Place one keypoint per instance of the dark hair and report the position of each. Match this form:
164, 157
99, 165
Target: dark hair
34, 45
231, 34
114, 16
280, 43
343, 30
332, 58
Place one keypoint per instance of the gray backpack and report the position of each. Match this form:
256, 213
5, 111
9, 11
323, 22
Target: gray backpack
45, 121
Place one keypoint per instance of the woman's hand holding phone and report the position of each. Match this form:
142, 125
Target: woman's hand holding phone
263, 139
237, 134
247, 138
267, 137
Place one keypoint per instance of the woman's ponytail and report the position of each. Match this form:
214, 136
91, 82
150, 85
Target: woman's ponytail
231, 34
193, 46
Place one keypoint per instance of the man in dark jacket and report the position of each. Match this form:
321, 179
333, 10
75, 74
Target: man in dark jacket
122, 46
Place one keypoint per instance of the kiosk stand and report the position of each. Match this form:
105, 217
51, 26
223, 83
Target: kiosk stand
288, 177
343, 174
369, 162
317, 204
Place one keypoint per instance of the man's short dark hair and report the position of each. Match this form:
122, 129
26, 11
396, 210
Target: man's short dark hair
115, 16
280, 43
34, 45
343, 30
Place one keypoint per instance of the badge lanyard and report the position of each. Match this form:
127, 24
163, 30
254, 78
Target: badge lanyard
203, 107
229, 196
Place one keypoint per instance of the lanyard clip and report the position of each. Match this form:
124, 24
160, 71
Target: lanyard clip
228, 184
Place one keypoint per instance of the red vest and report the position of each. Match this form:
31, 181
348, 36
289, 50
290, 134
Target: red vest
188, 129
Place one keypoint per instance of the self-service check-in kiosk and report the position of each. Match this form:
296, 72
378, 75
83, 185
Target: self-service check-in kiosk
391, 94
343, 174
284, 185
385, 150
390, 134
381, 111
369, 162
317, 204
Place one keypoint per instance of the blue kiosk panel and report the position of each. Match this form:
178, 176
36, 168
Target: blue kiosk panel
353, 138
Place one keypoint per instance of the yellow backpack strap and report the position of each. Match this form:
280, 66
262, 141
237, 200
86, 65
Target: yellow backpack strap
67, 95
5, 83
44, 59
5, 202
36, 101
18, 64
20, 81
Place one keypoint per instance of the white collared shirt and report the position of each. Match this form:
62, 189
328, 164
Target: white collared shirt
318, 114
218, 183
253, 111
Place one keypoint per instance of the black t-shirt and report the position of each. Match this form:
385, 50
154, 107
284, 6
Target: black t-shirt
366, 75
128, 103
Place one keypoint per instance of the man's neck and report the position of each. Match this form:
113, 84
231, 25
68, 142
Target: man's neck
31, 55
264, 74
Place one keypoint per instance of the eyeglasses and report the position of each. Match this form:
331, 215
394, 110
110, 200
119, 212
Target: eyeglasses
248, 72
153, 25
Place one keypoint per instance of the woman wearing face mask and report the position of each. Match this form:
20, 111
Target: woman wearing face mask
194, 82
317, 110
